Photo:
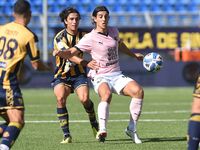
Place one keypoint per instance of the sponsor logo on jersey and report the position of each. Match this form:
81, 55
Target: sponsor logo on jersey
112, 63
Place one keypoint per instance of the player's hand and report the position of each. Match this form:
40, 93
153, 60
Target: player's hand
55, 52
139, 56
93, 65
50, 66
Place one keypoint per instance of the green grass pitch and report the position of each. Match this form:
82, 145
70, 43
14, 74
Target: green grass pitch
162, 125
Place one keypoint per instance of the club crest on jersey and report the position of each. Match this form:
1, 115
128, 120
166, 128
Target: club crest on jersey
115, 38
3, 65
60, 45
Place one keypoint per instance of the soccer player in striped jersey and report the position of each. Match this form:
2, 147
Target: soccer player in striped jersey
70, 74
16, 41
193, 137
103, 44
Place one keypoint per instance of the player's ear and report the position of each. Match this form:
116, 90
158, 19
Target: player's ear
65, 21
14, 14
94, 18
30, 13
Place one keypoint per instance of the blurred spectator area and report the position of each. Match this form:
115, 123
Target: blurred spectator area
123, 13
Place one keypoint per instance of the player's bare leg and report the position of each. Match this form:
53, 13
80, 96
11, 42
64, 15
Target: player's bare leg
83, 94
4, 125
62, 92
13, 129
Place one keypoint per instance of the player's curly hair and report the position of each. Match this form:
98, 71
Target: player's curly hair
96, 10
65, 13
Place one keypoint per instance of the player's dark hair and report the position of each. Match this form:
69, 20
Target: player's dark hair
96, 10
65, 13
22, 7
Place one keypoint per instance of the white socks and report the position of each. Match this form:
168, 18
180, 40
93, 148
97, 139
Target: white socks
4, 147
103, 114
132, 125
135, 109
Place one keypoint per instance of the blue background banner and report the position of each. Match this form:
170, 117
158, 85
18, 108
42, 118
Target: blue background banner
172, 74
143, 40
159, 39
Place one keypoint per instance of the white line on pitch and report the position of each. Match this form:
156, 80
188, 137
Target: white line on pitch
119, 113
117, 104
123, 120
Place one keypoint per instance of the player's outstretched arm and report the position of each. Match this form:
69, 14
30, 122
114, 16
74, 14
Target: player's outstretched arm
125, 50
67, 53
40, 66
139, 56
92, 64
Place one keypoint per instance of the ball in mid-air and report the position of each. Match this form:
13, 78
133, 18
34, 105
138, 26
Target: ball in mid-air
153, 62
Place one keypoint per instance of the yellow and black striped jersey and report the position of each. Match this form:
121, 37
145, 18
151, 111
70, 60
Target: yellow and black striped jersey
16, 41
64, 67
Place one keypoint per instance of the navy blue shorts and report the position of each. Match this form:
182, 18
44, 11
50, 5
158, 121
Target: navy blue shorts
11, 98
73, 82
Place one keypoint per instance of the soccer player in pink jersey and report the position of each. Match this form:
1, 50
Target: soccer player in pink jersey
103, 43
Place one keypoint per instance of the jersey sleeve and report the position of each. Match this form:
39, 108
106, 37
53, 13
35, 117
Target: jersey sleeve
116, 32
60, 44
85, 44
32, 50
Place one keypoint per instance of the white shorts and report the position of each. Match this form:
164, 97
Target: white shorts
116, 81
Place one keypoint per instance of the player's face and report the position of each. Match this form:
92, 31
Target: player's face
102, 19
72, 22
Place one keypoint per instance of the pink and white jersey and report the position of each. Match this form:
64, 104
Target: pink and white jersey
103, 48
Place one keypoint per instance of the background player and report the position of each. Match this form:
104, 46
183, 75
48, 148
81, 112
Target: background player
193, 136
103, 44
16, 41
70, 74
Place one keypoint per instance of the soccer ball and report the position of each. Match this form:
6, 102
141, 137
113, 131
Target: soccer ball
153, 62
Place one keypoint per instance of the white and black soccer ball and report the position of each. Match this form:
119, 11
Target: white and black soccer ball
153, 62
